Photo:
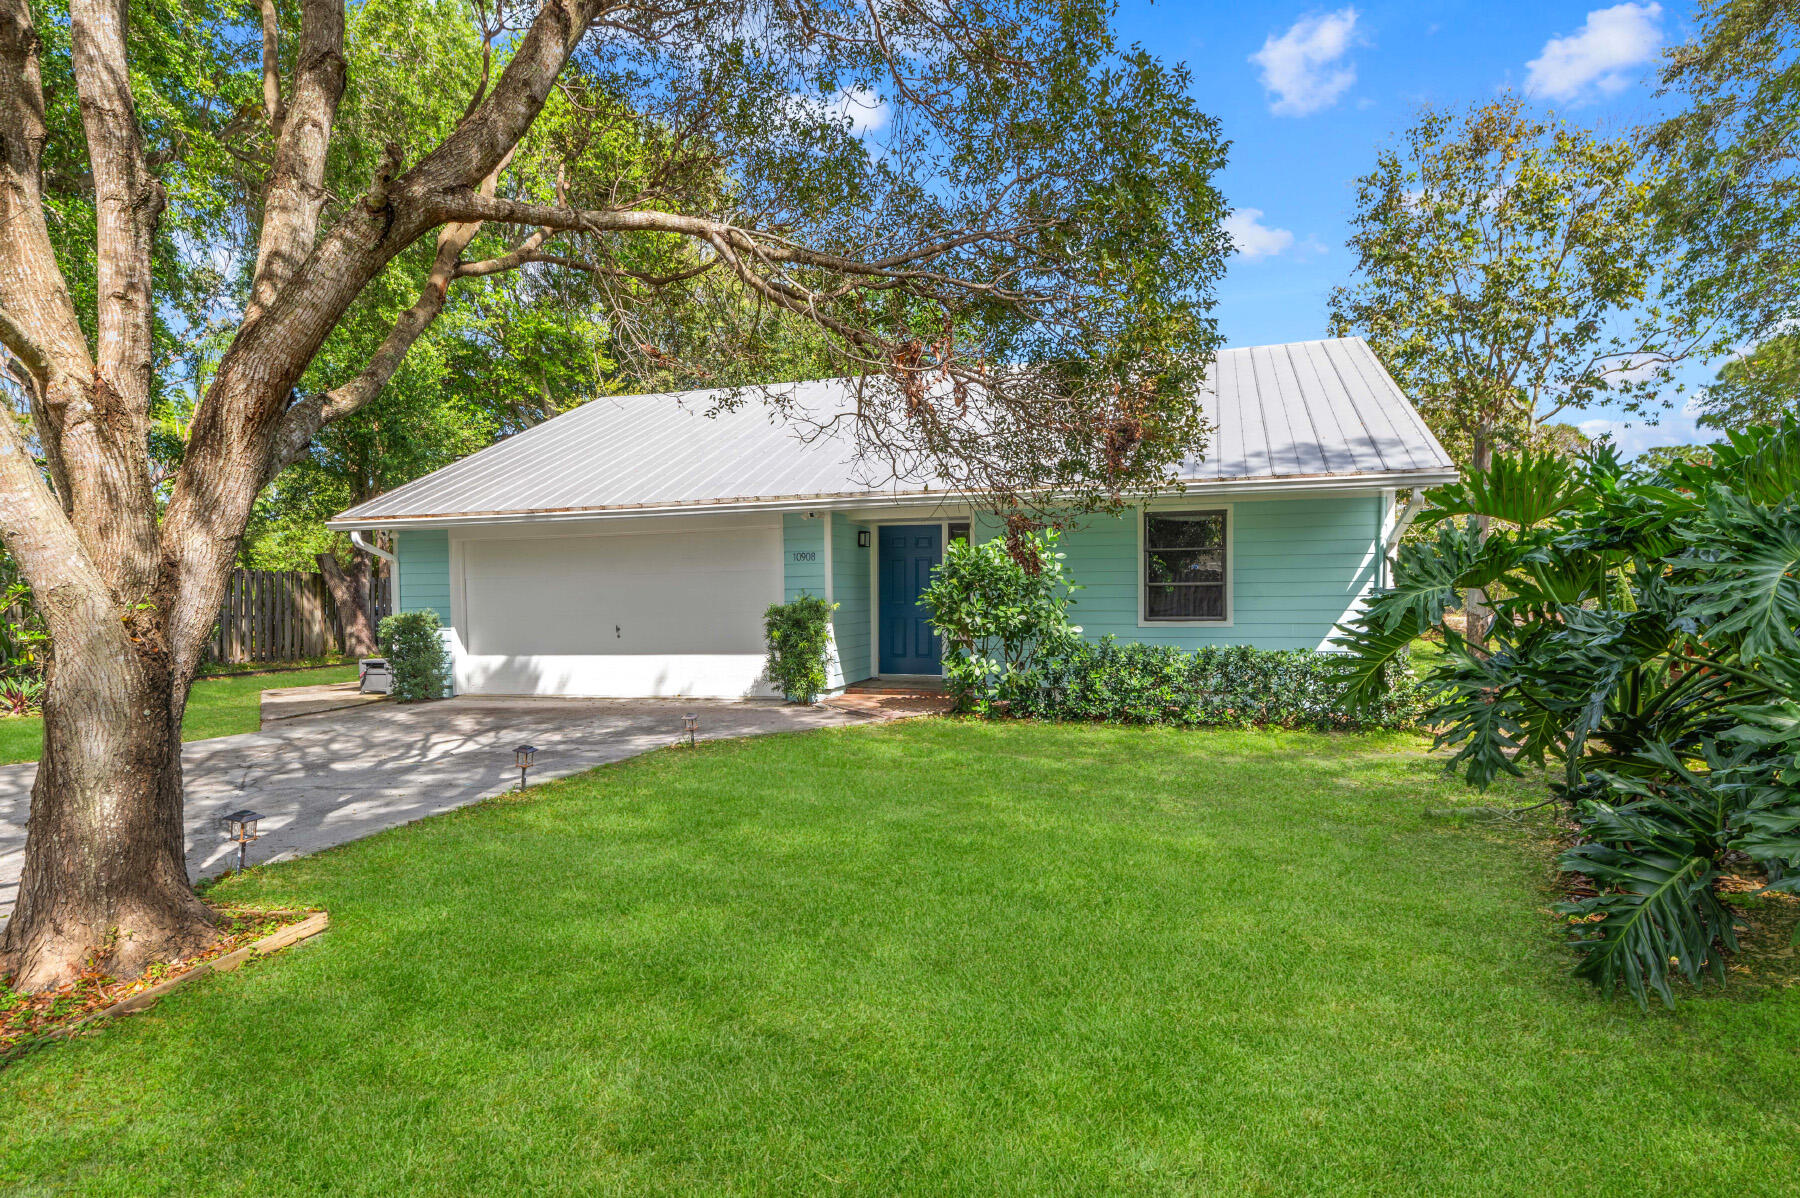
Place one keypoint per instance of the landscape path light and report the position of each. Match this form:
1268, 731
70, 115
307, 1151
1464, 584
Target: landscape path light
524, 756
240, 826
690, 723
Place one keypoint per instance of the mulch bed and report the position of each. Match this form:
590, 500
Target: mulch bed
29, 1019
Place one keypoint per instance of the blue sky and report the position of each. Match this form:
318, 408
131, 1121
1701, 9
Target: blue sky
1308, 94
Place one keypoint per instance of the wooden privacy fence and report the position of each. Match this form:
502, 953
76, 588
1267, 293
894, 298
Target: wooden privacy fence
283, 615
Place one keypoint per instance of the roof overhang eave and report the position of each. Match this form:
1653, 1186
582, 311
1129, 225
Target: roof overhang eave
1288, 484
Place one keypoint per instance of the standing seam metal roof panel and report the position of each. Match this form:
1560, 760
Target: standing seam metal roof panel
1314, 409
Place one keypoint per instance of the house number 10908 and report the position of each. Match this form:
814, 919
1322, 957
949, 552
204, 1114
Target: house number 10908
806, 555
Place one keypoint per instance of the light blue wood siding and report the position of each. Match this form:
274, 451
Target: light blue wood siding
804, 565
1298, 565
850, 589
802, 556
424, 569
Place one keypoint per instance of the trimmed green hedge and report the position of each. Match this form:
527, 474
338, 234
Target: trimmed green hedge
1218, 686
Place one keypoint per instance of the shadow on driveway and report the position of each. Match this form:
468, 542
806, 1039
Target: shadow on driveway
335, 777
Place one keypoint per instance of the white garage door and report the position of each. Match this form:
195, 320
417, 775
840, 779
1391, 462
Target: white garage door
665, 613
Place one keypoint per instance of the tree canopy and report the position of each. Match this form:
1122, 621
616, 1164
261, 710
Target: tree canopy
1506, 266
1758, 386
226, 228
1730, 169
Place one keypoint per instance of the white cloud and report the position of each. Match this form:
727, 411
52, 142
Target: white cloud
858, 109
1254, 239
1635, 436
1302, 68
866, 111
1601, 56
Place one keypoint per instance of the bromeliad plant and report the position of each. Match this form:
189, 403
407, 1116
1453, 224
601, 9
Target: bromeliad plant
1643, 647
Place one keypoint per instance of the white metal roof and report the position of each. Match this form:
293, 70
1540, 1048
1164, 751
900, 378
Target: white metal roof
1312, 414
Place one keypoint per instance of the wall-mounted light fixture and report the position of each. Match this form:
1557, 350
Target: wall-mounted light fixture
862, 538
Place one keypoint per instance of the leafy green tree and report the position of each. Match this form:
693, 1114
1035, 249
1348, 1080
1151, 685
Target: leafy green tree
1565, 440
1665, 457
1016, 260
1503, 261
1758, 387
1646, 648
1728, 181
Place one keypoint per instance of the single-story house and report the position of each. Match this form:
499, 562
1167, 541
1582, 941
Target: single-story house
629, 547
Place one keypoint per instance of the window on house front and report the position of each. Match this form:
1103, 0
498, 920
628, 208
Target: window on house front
1184, 566
959, 530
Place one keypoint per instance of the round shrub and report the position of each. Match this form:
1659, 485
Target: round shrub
416, 655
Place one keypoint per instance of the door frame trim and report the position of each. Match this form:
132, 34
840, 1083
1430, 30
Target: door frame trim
876, 526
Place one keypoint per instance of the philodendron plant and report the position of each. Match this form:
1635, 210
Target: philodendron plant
1642, 647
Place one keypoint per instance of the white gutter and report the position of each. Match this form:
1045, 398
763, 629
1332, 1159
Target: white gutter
357, 539
1415, 479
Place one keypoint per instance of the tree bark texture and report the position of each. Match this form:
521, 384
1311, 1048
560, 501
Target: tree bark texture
1476, 613
350, 592
129, 600
105, 878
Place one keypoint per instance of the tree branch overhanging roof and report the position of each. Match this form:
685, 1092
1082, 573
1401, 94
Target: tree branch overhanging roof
1311, 414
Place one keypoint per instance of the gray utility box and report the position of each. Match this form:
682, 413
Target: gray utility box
377, 679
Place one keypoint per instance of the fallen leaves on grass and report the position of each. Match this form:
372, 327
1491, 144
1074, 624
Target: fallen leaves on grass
27, 1018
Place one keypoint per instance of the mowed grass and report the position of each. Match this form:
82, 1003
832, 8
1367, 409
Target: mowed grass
940, 958
216, 707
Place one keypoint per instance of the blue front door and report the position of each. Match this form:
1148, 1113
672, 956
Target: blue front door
908, 552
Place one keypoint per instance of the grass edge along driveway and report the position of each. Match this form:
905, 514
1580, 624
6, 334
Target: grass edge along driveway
938, 957
223, 706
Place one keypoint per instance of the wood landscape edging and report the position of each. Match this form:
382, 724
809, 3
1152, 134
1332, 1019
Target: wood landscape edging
314, 923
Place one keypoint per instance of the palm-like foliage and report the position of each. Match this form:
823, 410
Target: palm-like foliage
1644, 645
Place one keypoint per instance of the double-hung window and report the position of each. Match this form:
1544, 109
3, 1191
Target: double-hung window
1185, 566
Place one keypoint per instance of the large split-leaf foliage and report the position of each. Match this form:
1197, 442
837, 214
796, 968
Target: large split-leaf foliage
1644, 651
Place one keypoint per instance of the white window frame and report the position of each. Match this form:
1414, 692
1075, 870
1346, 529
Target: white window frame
1143, 582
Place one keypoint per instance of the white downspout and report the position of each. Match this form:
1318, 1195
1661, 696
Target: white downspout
363, 543
357, 539
1413, 507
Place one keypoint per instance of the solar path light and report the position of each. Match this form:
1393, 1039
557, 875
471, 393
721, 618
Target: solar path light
241, 827
690, 723
525, 756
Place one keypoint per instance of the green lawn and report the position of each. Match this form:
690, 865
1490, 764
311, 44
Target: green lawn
216, 707
937, 957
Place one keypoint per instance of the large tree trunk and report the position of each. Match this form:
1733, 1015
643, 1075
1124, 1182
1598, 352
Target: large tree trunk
129, 604
350, 591
1475, 609
105, 879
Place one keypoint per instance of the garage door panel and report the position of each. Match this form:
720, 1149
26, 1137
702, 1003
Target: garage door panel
687, 593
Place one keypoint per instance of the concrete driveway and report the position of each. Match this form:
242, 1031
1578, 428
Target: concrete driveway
326, 779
